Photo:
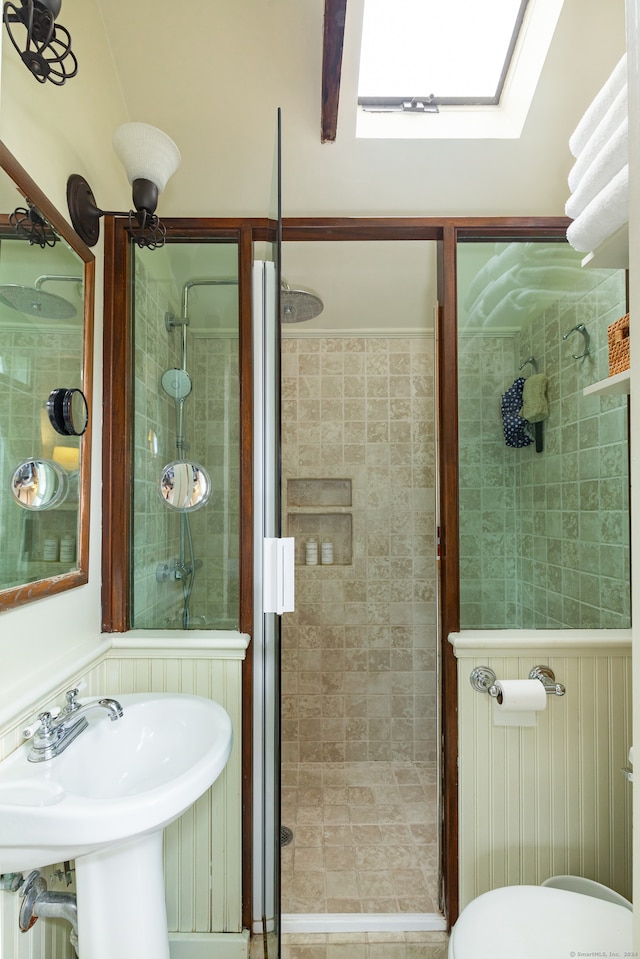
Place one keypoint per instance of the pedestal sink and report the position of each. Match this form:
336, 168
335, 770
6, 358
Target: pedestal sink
105, 802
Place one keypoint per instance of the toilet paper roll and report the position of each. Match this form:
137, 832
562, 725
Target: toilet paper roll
518, 701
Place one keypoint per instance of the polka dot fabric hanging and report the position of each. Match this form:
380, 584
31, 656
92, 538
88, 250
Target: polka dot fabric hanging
514, 425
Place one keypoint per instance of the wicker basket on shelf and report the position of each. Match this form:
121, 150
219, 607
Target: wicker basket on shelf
619, 343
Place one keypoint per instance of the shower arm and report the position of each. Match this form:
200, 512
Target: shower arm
45, 278
183, 322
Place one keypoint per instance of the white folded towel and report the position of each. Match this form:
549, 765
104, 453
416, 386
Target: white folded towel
610, 160
515, 255
553, 279
606, 213
599, 139
599, 106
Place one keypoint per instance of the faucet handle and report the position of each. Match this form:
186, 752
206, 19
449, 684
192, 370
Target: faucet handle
42, 722
71, 696
45, 731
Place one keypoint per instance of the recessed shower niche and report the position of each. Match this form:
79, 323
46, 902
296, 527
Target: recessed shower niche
316, 508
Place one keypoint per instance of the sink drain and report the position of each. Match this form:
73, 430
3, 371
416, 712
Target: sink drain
286, 835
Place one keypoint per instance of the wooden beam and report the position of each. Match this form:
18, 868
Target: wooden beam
333, 42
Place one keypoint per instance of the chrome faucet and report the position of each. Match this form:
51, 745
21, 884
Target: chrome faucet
53, 735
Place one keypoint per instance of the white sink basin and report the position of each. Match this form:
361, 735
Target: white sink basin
117, 781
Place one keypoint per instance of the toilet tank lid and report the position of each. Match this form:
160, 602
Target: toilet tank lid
587, 887
534, 921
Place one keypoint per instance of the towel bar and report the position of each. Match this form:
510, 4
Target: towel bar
483, 679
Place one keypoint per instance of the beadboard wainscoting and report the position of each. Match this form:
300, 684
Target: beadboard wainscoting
548, 799
202, 850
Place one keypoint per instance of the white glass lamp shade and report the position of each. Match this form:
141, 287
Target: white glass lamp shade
146, 153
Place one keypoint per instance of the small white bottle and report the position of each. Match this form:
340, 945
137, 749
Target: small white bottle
326, 552
68, 548
50, 549
311, 552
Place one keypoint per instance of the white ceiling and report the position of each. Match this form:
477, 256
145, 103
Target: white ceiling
212, 74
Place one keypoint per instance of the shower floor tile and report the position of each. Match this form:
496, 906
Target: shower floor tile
365, 838
363, 945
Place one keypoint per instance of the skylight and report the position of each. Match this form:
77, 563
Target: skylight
449, 69
454, 51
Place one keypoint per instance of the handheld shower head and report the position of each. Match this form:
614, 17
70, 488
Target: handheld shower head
176, 383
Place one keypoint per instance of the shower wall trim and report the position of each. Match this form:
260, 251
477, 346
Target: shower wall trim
469, 643
395, 334
363, 922
182, 644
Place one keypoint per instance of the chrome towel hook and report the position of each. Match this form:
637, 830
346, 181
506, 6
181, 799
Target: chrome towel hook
580, 328
532, 360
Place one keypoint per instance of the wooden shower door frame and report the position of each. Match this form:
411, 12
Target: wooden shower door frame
447, 232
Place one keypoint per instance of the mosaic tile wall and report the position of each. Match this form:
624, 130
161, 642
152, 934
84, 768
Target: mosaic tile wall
359, 653
211, 425
544, 536
32, 363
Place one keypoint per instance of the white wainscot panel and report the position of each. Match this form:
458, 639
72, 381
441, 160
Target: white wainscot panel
203, 849
548, 799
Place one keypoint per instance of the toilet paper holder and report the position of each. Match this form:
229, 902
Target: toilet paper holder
483, 679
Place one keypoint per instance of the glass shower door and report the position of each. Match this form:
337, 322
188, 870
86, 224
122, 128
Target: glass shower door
266, 625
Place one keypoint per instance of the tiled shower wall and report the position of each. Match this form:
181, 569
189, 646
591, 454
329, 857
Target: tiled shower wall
155, 527
211, 429
34, 362
544, 536
359, 653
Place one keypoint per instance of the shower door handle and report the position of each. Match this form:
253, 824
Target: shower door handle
278, 575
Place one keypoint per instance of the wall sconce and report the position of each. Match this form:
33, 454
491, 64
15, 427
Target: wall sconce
30, 225
150, 157
47, 45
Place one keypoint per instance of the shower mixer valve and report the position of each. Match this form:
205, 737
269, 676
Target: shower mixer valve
174, 569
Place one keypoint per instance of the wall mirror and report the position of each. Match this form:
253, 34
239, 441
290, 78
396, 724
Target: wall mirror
46, 355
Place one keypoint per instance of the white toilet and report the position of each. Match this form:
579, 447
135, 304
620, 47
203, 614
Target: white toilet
564, 916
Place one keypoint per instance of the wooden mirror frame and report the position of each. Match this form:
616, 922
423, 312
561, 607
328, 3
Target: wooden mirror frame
30, 592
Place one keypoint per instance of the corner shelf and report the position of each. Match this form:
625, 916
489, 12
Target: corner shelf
616, 385
612, 254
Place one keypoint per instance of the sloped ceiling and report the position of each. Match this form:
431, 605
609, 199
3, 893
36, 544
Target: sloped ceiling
212, 73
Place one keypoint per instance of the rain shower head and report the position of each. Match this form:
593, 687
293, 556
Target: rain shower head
33, 302
297, 306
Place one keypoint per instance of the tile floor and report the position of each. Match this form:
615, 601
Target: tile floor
365, 839
369, 945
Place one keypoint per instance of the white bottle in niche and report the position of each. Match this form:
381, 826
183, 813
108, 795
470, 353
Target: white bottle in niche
326, 552
311, 552
68, 548
50, 549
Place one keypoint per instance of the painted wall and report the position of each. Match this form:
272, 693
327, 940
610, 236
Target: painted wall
220, 107
54, 132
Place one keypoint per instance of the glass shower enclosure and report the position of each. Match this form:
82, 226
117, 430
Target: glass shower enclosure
185, 526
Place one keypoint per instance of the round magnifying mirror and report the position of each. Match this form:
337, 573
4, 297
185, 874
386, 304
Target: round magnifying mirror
68, 411
185, 486
39, 484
